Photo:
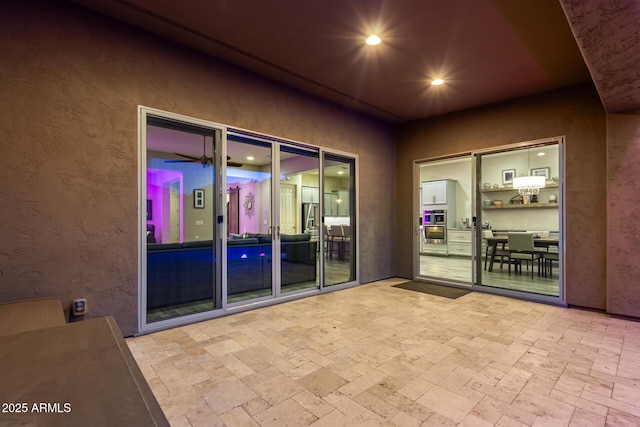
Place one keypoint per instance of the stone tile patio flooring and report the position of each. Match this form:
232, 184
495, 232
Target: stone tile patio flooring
381, 356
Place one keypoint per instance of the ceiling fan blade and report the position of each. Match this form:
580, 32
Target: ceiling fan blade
188, 157
233, 164
180, 161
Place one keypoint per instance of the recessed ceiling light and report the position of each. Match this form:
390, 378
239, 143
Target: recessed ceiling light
249, 158
541, 153
373, 40
340, 172
437, 82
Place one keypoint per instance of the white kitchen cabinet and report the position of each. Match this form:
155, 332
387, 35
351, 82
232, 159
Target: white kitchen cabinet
435, 249
437, 192
310, 195
343, 205
459, 242
330, 205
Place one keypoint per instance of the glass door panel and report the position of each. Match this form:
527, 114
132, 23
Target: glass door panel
299, 218
502, 211
445, 220
249, 210
339, 219
181, 261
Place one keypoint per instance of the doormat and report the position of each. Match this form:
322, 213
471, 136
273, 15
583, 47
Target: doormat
433, 289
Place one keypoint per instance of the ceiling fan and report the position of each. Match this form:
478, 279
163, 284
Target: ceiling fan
203, 160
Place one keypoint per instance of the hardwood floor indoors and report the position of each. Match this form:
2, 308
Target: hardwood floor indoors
460, 268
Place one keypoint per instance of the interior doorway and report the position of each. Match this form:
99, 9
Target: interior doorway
288, 209
233, 211
174, 208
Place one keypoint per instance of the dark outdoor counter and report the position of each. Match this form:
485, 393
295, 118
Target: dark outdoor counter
77, 374
20, 316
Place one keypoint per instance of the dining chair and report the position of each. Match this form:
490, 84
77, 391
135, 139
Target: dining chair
544, 234
540, 234
346, 241
488, 253
335, 240
328, 242
548, 258
522, 248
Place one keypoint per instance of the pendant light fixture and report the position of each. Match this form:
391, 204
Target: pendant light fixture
529, 185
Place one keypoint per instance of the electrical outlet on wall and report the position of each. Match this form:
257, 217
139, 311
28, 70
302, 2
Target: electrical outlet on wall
79, 307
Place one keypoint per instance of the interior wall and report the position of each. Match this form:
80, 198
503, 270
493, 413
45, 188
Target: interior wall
71, 83
623, 227
574, 112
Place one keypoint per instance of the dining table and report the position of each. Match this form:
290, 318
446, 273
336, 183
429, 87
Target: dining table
539, 242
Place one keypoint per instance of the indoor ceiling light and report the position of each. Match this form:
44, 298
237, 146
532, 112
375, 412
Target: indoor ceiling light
250, 158
529, 185
373, 40
540, 154
437, 82
340, 172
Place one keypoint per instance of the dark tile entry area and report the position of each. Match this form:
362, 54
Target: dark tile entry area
433, 289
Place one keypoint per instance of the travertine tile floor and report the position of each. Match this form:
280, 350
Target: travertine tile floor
382, 356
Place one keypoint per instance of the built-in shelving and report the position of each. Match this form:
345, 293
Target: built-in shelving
500, 190
521, 206
507, 205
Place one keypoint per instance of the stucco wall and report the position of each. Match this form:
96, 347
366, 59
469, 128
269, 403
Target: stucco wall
71, 82
623, 235
576, 113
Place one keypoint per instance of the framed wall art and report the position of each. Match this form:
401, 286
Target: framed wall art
508, 175
541, 172
198, 198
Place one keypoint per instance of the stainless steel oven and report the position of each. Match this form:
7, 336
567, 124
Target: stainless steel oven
434, 217
435, 234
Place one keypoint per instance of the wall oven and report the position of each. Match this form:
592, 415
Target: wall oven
434, 224
434, 217
435, 234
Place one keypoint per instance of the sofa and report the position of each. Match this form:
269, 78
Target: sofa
179, 273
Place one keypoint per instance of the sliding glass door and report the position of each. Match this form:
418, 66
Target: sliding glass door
181, 232
339, 219
445, 221
298, 219
232, 220
473, 216
506, 213
250, 237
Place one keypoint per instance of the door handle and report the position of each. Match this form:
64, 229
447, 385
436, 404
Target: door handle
278, 233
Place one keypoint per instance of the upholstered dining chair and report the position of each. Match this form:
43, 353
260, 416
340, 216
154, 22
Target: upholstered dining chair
501, 252
346, 241
548, 259
334, 240
522, 248
541, 234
